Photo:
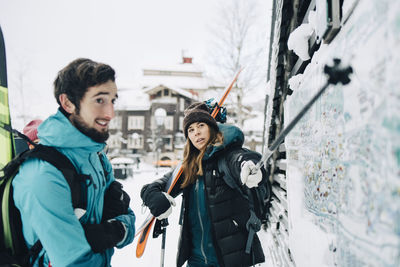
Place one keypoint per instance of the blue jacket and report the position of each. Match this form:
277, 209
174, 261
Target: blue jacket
43, 197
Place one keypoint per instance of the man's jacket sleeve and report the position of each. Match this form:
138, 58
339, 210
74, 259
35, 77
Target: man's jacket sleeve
127, 219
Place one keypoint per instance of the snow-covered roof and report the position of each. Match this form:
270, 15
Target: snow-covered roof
183, 82
187, 67
132, 99
183, 76
170, 87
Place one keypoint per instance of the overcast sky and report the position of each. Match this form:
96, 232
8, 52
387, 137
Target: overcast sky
42, 36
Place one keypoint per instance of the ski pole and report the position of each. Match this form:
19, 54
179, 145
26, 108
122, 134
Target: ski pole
336, 74
164, 224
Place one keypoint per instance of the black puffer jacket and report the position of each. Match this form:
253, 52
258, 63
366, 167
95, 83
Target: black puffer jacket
227, 209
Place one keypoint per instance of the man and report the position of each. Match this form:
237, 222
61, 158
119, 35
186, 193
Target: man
86, 92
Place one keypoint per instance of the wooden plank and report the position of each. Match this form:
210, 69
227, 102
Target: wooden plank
280, 179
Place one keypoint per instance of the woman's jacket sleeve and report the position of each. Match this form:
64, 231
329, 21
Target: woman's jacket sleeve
158, 186
235, 158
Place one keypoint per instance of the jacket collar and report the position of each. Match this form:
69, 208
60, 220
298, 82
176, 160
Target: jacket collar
233, 136
58, 131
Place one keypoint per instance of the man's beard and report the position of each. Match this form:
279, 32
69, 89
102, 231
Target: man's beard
95, 135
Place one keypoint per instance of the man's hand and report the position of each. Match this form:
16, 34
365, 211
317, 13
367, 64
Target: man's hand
104, 235
116, 201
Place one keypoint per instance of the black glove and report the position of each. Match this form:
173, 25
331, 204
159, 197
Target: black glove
156, 201
116, 201
104, 235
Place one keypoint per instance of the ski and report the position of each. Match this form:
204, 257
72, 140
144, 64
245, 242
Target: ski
6, 138
146, 226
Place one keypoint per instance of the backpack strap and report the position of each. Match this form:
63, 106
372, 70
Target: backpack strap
253, 224
58, 160
34, 252
224, 170
41, 261
65, 166
75, 181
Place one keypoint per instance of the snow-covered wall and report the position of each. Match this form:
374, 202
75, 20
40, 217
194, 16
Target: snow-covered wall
343, 158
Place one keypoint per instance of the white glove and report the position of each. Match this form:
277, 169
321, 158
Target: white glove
168, 211
246, 175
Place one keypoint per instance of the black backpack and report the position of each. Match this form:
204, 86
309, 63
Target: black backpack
13, 249
259, 197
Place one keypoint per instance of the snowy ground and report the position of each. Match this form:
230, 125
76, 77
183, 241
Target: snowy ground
127, 256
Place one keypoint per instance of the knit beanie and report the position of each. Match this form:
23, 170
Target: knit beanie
30, 130
198, 112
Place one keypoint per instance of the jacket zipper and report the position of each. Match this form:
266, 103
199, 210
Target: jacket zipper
100, 179
201, 223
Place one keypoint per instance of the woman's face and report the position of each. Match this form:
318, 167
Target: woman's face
199, 134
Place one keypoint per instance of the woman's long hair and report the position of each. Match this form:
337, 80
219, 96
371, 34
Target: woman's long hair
192, 157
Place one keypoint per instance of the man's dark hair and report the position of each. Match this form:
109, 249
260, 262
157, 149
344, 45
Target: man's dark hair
75, 79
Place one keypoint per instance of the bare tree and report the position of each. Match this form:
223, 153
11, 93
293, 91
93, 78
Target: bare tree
240, 41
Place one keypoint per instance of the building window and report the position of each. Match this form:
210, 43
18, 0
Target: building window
166, 92
181, 123
114, 141
169, 123
135, 141
182, 104
167, 141
116, 123
135, 123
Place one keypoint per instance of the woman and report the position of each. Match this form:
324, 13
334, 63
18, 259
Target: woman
214, 215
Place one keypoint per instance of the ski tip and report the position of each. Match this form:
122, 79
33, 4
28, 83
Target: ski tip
142, 241
139, 253
141, 247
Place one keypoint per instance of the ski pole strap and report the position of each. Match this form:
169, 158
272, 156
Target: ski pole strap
159, 227
253, 225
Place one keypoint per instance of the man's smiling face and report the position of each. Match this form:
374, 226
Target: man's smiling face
96, 111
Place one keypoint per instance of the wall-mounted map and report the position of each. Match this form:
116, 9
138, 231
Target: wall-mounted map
344, 156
